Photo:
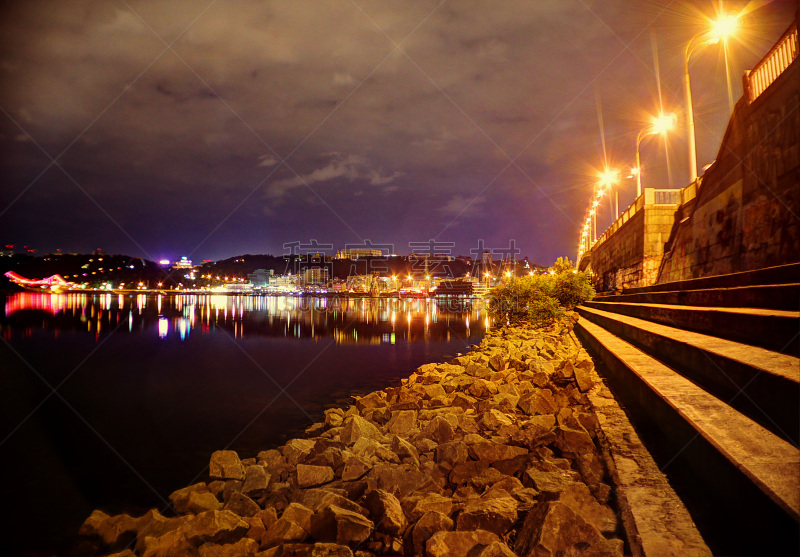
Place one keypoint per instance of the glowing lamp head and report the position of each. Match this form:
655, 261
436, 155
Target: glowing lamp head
724, 27
664, 123
609, 177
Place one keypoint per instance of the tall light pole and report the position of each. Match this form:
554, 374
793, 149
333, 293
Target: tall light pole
660, 125
721, 29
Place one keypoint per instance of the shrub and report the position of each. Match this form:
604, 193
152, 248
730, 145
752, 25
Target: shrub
542, 299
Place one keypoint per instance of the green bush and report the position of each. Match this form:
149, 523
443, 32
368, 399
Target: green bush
540, 300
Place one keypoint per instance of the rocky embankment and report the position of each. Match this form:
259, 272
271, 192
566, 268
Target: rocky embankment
493, 454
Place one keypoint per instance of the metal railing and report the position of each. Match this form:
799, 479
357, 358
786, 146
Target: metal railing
773, 64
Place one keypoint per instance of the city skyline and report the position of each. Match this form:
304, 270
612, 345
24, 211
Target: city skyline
198, 129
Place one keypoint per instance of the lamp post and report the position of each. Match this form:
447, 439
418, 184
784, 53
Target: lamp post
721, 29
662, 124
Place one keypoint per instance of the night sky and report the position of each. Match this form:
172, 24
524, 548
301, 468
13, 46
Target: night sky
211, 129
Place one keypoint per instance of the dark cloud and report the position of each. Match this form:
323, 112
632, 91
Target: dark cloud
214, 128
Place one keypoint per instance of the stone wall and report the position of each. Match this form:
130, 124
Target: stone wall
631, 256
747, 212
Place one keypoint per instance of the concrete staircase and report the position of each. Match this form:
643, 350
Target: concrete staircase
708, 371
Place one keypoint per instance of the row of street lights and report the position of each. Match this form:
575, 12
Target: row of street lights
659, 125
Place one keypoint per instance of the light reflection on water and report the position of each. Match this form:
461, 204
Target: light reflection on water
347, 320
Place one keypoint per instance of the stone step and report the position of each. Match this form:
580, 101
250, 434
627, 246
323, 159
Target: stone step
771, 296
782, 274
743, 478
760, 383
777, 330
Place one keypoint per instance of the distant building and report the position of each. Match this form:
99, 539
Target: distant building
315, 275
184, 263
260, 277
355, 253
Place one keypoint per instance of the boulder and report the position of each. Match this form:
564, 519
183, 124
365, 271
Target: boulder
194, 499
308, 550
335, 524
438, 430
550, 481
241, 504
449, 544
356, 427
402, 421
461, 400
574, 441
494, 419
312, 476
495, 514
355, 468
386, 512
115, 532
430, 523
496, 549
492, 452
283, 531
399, 480
318, 499
256, 480
540, 401
552, 529
404, 450
243, 548
225, 465
431, 502
578, 498
168, 545
299, 514
216, 527
154, 525
295, 450
451, 453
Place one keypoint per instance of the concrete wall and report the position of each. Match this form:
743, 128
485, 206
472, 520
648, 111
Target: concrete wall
630, 255
746, 215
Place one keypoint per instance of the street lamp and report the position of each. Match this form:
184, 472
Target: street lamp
608, 179
721, 29
661, 125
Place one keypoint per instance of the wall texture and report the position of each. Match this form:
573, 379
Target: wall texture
746, 214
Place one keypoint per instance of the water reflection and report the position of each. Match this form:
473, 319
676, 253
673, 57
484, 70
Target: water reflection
347, 320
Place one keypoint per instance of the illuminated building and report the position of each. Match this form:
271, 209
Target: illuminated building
184, 263
355, 253
315, 275
260, 277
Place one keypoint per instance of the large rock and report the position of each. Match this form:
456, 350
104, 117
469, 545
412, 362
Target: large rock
335, 524
428, 503
355, 468
296, 450
404, 450
171, 544
225, 465
402, 421
356, 427
318, 499
540, 401
386, 512
154, 525
450, 454
496, 514
438, 430
216, 527
312, 476
113, 531
496, 549
241, 504
430, 523
553, 529
256, 480
194, 499
494, 419
578, 498
399, 480
492, 452
243, 548
299, 514
308, 550
449, 544
574, 441
283, 530
550, 481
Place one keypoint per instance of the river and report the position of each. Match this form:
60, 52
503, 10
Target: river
113, 401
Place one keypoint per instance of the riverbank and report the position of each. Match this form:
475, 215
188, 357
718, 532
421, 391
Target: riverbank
495, 453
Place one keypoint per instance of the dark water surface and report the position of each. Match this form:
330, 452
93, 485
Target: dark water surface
113, 401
